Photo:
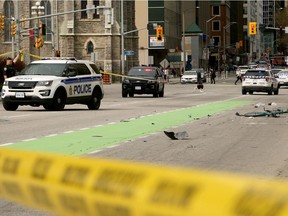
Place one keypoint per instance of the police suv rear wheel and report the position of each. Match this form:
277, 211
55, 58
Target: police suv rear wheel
95, 101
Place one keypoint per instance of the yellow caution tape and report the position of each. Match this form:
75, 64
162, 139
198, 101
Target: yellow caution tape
35, 56
5, 54
99, 187
21, 52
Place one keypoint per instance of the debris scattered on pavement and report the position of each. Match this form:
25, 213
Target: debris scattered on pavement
176, 136
269, 113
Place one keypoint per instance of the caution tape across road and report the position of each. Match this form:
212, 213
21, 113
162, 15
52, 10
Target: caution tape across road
98, 187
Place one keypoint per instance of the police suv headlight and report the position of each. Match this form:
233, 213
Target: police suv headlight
126, 81
44, 83
5, 83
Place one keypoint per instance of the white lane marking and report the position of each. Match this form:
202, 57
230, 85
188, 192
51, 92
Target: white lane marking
51, 135
93, 152
17, 116
27, 140
6, 144
66, 132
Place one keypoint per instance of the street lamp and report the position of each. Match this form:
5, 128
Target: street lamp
206, 48
224, 42
37, 10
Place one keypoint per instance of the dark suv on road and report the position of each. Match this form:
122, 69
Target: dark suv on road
143, 80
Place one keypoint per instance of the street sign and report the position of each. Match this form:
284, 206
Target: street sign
164, 63
130, 52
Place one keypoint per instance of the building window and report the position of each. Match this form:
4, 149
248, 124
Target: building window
216, 25
9, 12
83, 6
47, 21
95, 15
90, 47
216, 41
216, 10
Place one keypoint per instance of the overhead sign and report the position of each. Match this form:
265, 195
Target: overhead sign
153, 43
130, 52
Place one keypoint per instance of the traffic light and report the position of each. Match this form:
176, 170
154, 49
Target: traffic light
252, 28
281, 31
57, 53
13, 29
2, 22
159, 33
38, 42
43, 29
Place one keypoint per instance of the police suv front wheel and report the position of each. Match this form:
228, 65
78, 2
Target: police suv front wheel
10, 106
59, 101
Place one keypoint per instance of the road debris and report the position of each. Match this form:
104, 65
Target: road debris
176, 136
269, 113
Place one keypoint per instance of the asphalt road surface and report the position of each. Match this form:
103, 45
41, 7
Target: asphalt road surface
132, 129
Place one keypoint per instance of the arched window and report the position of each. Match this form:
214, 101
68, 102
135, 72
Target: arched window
90, 47
47, 21
9, 13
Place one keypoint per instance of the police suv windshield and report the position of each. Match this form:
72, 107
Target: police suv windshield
44, 69
256, 73
142, 72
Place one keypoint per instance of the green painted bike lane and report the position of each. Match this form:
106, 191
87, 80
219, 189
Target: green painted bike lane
92, 139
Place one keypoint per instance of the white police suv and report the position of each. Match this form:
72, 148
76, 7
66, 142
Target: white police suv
53, 83
259, 80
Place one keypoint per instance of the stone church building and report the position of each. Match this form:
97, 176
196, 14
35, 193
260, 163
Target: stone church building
83, 34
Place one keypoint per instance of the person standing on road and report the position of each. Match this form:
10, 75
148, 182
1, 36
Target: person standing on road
200, 85
9, 69
239, 77
212, 75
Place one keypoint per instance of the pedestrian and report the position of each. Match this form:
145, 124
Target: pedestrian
166, 74
200, 85
239, 76
9, 68
213, 76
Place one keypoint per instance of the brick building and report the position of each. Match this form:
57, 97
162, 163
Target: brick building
84, 34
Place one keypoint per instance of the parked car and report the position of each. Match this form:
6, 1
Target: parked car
275, 71
282, 77
242, 69
189, 77
143, 80
259, 80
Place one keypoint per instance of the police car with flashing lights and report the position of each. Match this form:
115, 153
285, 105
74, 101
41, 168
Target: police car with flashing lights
53, 83
260, 80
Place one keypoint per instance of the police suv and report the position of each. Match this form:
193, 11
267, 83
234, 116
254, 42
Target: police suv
259, 80
53, 83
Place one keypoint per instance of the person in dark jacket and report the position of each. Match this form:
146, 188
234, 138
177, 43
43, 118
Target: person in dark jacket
212, 75
199, 82
9, 69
